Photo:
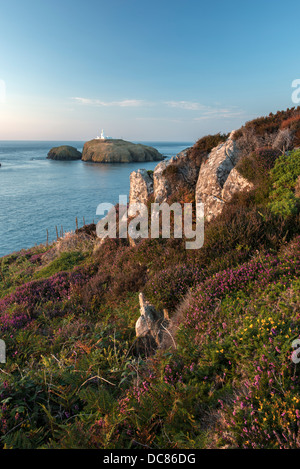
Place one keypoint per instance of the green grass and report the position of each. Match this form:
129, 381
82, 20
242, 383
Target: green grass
65, 262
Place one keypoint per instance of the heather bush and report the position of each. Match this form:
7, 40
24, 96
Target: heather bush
18, 269
168, 287
252, 275
268, 125
117, 275
293, 125
239, 231
28, 300
255, 167
199, 152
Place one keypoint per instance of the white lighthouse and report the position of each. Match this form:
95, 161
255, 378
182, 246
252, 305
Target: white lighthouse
102, 136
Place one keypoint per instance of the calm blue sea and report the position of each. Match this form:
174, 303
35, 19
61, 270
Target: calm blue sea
37, 194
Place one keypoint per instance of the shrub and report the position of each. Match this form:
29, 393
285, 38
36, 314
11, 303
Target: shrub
284, 177
269, 124
203, 147
255, 167
293, 124
168, 287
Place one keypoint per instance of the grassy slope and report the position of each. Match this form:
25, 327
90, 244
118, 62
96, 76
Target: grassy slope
76, 377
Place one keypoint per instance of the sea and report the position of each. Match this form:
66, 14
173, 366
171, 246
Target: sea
39, 195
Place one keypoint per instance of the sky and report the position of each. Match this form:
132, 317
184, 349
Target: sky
143, 70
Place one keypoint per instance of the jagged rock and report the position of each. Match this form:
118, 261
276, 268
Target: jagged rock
161, 186
235, 183
182, 153
150, 322
141, 186
118, 151
213, 175
180, 172
187, 168
64, 153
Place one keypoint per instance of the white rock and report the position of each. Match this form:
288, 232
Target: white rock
213, 175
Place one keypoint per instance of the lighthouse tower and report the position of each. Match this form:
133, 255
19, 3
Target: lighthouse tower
102, 136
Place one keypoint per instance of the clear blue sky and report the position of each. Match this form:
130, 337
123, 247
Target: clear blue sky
143, 70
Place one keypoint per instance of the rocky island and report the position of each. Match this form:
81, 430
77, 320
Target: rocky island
118, 151
64, 153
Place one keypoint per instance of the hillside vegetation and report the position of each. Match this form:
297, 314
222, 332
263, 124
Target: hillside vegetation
76, 376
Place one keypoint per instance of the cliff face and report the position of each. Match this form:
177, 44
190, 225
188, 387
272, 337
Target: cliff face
118, 151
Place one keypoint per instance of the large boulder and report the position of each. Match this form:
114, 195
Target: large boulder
118, 151
64, 153
213, 175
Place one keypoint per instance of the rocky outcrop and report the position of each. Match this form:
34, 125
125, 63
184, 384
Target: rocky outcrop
118, 151
141, 186
214, 182
170, 175
235, 183
64, 153
151, 322
213, 175
161, 186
